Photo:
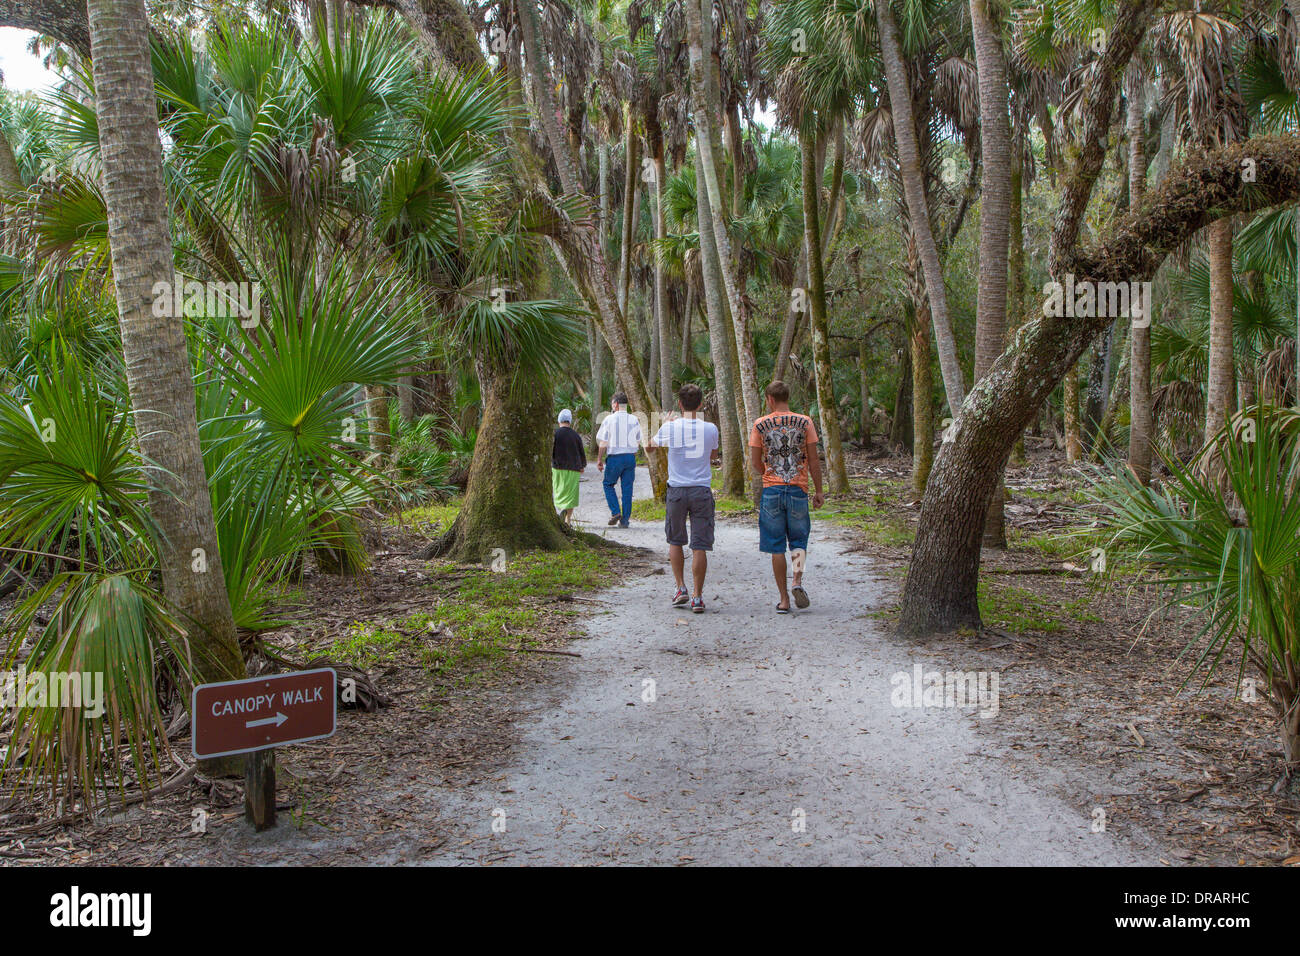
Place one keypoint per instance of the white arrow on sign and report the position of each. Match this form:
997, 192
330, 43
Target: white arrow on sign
278, 719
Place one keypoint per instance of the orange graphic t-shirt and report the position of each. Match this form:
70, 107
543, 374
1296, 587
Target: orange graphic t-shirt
786, 439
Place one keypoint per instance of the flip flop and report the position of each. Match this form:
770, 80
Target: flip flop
782, 610
800, 596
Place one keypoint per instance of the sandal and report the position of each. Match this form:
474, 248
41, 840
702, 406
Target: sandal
782, 610
800, 596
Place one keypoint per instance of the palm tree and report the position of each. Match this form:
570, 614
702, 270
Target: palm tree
1199, 46
577, 240
910, 170
1140, 416
995, 215
157, 361
817, 81
705, 104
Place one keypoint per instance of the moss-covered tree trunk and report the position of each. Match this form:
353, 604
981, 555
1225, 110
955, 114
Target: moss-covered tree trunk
507, 503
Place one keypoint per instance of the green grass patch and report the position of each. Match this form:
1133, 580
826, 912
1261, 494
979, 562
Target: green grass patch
874, 518
1020, 610
480, 614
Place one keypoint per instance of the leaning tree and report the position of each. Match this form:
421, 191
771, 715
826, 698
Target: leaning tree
940, 591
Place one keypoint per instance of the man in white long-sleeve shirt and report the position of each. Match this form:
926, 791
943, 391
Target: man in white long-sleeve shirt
618, 438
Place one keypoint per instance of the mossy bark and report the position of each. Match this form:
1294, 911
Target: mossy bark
507, 503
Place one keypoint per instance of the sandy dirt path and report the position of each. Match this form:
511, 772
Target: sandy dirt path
758, 722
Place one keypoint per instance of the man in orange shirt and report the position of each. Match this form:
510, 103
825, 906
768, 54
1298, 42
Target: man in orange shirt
783, 449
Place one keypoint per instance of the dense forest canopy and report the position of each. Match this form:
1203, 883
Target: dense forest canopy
334, 259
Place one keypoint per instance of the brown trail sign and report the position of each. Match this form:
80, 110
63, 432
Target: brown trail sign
251, 716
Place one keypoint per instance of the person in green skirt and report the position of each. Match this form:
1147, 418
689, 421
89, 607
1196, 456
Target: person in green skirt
568, 459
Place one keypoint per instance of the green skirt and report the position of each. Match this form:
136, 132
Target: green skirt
564, 485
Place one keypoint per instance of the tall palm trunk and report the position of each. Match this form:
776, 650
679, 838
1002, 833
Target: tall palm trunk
11, 183
699, 40
1070, 416
1016, 255
864, 395
631, 191
838, 477
1139, 367
995, 218
731, 437
794, 316
661, 283
597, 344
910, 169
158, 372
922, 378
580, 249
1221, 386
381, 437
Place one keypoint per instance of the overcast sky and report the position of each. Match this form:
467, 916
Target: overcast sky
22, 70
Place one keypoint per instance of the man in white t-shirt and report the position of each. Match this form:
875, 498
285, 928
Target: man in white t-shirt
617, 439
691, 444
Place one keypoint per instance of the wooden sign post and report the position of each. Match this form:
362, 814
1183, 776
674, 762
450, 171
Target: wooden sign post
255, 715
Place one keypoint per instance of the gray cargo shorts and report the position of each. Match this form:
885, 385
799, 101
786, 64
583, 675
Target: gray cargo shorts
696, 502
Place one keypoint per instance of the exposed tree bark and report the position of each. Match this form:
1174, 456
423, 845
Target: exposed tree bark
597, 345
795, 316
734, 139
445, 28
1016, 255
406, 398
11, 187
381, 439
1139, 339
838, 478
922, 383
65, 20
731, 439
922, 401
1221, 386
941, 586
995, 217
661, 281
158, 372
911, 172
514, 438
507, 503
631, 191
1070, 416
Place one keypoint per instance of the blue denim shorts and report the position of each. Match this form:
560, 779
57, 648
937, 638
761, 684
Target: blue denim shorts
783, 519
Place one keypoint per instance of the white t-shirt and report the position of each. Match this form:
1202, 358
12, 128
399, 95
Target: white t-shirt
622, 431
690, 443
